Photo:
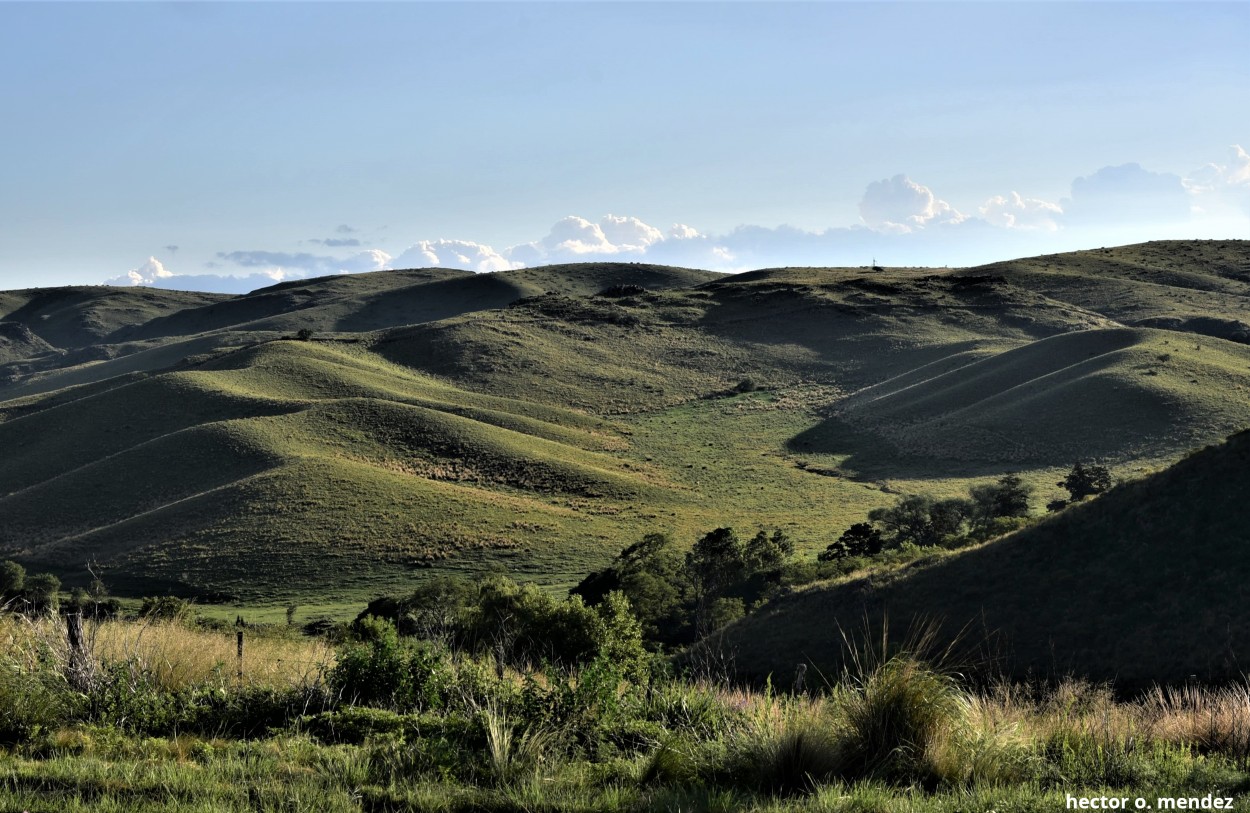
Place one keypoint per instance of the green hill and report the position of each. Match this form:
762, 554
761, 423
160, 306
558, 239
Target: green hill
1139, 585
542, 419
81, 316
18, 342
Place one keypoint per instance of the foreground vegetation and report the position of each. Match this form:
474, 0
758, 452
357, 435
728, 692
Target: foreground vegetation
153, 715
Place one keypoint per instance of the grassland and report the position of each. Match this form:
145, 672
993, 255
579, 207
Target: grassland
167, 726
446, 422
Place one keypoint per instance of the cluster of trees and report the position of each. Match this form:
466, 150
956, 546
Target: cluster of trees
987, 511
36, 594
679, 597
517, 624
40, 594
1082, 481
925, 521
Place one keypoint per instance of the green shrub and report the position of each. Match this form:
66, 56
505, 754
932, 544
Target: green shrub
804, 753
377, 669
894, 716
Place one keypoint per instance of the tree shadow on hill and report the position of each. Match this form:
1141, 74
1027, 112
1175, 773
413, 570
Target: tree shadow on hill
871, 457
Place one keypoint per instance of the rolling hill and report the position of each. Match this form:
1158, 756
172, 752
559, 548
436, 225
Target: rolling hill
541, 419
1145, 583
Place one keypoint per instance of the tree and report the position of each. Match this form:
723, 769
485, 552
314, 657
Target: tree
651, 574
906, 521
921, 520
41, 591
716, 562
861, 539
1086, 481
767, 554
12, 579
1009, 497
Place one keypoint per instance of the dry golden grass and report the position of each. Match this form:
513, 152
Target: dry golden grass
177, 656
172, 654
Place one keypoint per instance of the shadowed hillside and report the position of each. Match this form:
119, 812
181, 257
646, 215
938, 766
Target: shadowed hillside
79, 316
1143, 583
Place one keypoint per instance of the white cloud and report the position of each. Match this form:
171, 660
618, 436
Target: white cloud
452, 254
617, 237
899, 204
680, 231
576, 235
1222, 188
147, 274
1016, 212
282, 265
1126, 195
629, 233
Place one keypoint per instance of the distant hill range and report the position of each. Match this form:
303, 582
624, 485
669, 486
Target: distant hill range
542, 419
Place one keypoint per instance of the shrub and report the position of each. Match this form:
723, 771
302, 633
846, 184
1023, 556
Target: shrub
377, 669
802, 754
167, 607
894, 717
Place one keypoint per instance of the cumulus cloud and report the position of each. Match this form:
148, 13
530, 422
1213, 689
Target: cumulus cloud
1215, 187
616, 237
900, 205
680, 231
309, 264
149, 273
1126, 194
452, 254
1016, 212
154, 274
629, 233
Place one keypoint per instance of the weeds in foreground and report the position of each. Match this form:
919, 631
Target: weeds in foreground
898, 734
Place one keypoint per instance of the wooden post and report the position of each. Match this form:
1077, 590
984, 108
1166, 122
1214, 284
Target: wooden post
240, 635
79, 664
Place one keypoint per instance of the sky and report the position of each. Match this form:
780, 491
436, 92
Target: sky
226, 146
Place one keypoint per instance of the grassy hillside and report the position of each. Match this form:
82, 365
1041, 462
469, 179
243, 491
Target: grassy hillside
296, 443
1143, 583
364, 302
1112, 393
18, 342
79, 316
547, 422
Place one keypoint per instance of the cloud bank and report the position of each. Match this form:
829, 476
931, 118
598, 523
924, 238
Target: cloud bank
902, 222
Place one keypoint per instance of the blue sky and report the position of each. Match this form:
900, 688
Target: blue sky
227, 145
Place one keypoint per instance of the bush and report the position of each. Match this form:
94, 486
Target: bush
168, 607
377, 669
802, 754
894, 717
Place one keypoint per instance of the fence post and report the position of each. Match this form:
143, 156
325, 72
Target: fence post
79, 663
240, 636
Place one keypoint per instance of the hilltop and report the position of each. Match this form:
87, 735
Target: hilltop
539, 420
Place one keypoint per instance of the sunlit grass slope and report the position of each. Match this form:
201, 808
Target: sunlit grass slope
1113, 393
1143, 583
292, 450
363, 302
